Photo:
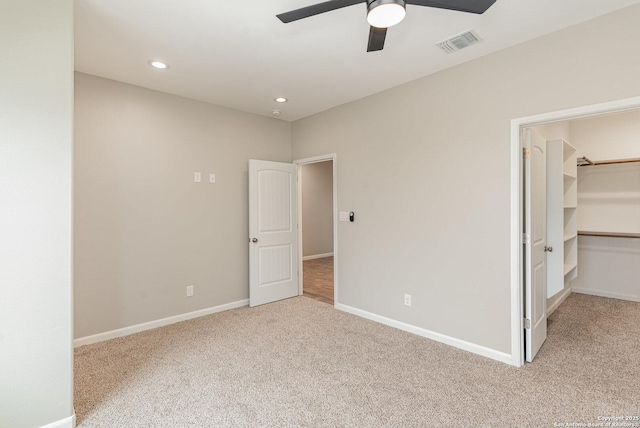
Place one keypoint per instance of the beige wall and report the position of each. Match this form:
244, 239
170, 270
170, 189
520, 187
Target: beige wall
144, 230
36, 112
608, 267
317, 208
612, 136
426, 167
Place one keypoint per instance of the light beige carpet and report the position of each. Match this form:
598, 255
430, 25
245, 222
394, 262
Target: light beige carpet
300, 362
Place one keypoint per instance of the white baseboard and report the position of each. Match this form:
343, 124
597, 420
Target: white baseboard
69, 422
317, 256
157, 323
599, 293
563, 296
447, 340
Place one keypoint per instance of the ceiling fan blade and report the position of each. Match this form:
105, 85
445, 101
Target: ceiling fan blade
376, 39
471, 6
316, 9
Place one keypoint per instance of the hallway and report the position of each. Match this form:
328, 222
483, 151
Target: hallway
318, 279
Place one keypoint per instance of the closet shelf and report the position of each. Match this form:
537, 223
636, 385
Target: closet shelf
568, 267
567, 150
609, 234
562, 222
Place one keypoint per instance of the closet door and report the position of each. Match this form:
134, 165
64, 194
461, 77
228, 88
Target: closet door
535, 191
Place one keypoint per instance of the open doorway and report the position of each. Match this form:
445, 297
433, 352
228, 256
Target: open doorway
577, 126
317, 243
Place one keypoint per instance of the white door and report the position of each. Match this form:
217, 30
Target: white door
535, 209
273, 229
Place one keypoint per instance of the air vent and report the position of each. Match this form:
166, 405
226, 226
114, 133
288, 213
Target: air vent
459, 41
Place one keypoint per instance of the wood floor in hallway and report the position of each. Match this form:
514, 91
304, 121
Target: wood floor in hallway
318, 279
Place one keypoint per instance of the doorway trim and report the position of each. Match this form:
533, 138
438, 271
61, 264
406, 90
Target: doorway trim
517, 213
306, 161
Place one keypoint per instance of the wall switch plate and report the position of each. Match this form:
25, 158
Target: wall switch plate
189, 290
344, 216
197, 177
212, 178
407, 299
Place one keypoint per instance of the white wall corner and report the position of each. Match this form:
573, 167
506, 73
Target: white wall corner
69, 422
447, 340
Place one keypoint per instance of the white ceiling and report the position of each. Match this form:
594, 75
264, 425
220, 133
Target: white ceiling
237, 54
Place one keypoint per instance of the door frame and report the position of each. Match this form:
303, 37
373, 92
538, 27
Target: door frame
306, 161
517, 199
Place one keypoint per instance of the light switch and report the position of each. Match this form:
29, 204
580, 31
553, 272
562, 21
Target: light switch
344, 215
212, 178
196, 177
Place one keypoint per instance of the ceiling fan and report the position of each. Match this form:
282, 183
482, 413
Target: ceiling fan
382, 14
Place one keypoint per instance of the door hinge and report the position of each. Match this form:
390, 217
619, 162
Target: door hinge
526, 239
527, 324
525, 153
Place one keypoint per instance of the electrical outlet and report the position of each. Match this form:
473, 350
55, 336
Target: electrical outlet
407, 299
189, 290
197, 177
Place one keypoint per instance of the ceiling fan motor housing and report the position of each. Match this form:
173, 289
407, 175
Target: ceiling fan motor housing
385, 13
372, 4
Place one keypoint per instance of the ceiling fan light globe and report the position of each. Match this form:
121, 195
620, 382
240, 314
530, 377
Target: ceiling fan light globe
385, 15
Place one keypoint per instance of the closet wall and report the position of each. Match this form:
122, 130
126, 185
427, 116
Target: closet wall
611, 136
608, 201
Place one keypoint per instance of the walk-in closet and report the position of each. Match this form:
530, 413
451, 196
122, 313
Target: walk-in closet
593, 206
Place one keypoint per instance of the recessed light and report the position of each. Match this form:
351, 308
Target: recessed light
159, 65
280, 100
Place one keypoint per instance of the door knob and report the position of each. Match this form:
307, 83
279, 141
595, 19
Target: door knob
549, 249
254, 240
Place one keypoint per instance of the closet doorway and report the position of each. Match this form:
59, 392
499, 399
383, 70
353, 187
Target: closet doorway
317, 230
597, 224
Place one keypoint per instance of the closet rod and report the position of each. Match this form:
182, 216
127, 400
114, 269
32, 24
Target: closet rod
585, 160
588, 162
610, 234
